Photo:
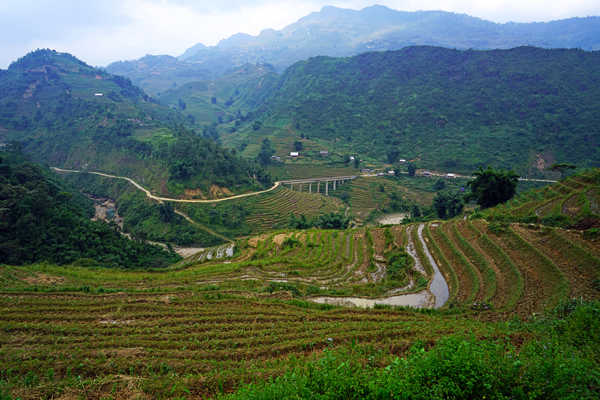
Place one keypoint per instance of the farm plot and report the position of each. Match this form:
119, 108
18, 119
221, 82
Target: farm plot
571, 202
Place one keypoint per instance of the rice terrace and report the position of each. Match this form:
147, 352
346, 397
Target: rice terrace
207, 325
363, 204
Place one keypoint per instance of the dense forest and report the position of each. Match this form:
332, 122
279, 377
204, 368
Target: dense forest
43, 220
66, 113
450, 109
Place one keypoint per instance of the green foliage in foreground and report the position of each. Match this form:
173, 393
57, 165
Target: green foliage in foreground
41, 220
561, 363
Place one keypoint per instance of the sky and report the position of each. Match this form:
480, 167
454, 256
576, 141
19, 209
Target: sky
102, 31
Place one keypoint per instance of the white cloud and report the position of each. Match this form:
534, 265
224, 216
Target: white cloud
103, 31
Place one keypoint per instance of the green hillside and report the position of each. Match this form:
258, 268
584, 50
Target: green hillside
42, 220
68, 114
447, 109
225, 100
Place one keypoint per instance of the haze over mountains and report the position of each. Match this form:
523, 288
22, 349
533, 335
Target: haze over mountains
343, 32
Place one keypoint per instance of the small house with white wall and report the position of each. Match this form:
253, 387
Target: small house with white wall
294, 154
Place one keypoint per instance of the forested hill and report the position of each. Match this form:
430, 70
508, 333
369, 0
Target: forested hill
42, 220
68, 114
449, 109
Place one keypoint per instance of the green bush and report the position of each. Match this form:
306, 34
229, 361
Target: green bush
559, 363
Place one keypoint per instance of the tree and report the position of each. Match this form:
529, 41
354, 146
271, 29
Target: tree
266, 151
562, 168
298, 145
411, 168
256, 125
440, 184
166, 211
491, 187
356, 162
448, 204
415, 211
392, 156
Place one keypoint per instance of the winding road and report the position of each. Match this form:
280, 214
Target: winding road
240, 196
159, 198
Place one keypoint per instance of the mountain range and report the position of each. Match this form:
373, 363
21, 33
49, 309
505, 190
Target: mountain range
342, 32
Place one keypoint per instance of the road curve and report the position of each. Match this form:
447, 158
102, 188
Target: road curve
159, 198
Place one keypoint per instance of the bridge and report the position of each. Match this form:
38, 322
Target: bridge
301, 184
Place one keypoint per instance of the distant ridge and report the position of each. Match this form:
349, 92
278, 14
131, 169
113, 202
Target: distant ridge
342, 32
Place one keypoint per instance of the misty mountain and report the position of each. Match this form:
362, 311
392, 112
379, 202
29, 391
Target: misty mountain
342, 32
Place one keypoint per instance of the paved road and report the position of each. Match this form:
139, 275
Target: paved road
159, 198
240, 196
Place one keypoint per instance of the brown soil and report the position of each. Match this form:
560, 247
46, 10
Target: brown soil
578, 273
465, 285
216, 192
193, 194
279, 239
44, 279
591, 246
499, 298
378, 241
538, 289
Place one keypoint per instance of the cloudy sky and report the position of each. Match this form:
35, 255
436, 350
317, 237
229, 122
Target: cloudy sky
102, 31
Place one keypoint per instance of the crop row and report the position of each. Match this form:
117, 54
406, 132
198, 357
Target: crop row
513, 268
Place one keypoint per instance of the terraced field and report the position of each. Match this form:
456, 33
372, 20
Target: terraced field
367, 194
206, 326
203, 327
519, 269
272, 210
571, 202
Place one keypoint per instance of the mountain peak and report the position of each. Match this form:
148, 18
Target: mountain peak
43, 57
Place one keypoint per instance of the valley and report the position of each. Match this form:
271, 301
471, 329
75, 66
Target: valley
363, 204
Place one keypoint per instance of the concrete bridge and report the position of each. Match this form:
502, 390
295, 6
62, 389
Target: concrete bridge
317, 183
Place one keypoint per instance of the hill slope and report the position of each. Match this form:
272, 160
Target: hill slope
572, 202
450, 109
66, 113
42, 220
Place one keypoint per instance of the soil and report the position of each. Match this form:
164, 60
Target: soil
498, 299
578, 273
44, 279
193, 194
280, 238
392, 219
